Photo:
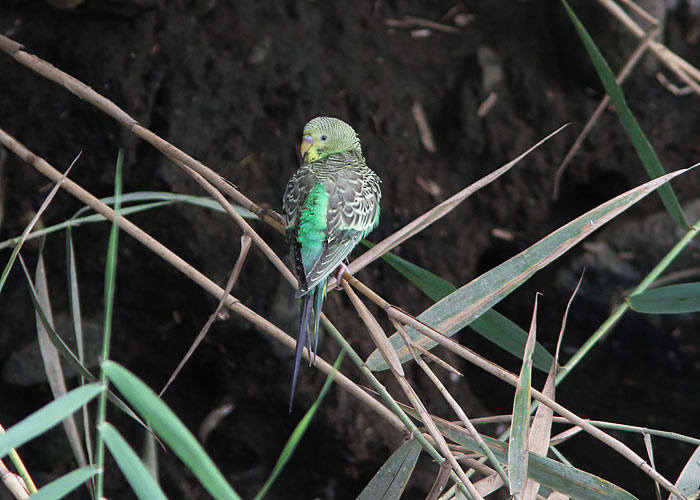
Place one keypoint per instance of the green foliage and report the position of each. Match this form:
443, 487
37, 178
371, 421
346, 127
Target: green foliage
170, 429
461, 307
62, 486
641, 144
391, 479
673, 299
140, 479
491, 325
46, 417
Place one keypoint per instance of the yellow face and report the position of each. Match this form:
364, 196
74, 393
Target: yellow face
324, 136
312, 146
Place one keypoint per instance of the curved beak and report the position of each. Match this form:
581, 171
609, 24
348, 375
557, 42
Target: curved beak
306, 143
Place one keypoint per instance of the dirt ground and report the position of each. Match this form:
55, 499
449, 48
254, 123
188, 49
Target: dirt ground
232, 84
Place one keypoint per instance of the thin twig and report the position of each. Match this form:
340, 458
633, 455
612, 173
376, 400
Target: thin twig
379, 337
87, 94
245, 246
621, 77
452, 402
678, 65
432, 215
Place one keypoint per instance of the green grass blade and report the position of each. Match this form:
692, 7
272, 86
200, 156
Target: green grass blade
166, 199
491, 325
46, 417
60, 487
391, 479
136, 473
170, 429
518, 444
689, 479
460, 308
641, 144
66, 352
299, 431
549, 473
672, 299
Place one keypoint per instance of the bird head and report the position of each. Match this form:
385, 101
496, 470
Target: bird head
324, 136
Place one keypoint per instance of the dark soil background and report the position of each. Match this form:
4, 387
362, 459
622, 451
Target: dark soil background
232, 84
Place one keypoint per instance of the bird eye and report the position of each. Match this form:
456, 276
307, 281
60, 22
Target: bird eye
324, 137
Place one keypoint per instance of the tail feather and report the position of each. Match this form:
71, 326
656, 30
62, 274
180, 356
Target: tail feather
301, 340
311, 305
319, 296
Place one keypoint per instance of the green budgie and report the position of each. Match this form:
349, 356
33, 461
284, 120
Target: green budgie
330, 203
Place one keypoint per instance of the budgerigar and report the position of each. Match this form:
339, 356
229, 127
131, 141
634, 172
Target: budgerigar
330, 203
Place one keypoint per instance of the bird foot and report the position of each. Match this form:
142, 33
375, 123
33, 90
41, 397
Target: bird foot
342, 269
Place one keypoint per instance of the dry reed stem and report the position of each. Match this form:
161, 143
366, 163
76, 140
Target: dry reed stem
247, 229
190, 272
675, 63
87, 94
432, 215
451, 401
379, 337
432, 357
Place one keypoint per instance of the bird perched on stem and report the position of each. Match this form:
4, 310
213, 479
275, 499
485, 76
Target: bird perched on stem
330, 204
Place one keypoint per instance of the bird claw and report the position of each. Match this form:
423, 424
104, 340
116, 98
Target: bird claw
342, 269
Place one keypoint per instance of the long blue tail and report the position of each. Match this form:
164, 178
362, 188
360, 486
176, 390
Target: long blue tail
311, 305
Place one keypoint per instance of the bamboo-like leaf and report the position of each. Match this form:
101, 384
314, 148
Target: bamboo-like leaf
491, 325
136, 473
170, 429
469, 302
555, 475
60, 487
689, 480
52, 361
391, 479
299, 431
641, 144
518, 448
672, 299
46, 417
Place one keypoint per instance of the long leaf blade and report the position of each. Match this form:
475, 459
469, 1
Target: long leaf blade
136, 473
46, 417
545, 471
491, 325
60, 487
170, 429
672, 299
460, 308
641, 144
391, 479
518, 448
